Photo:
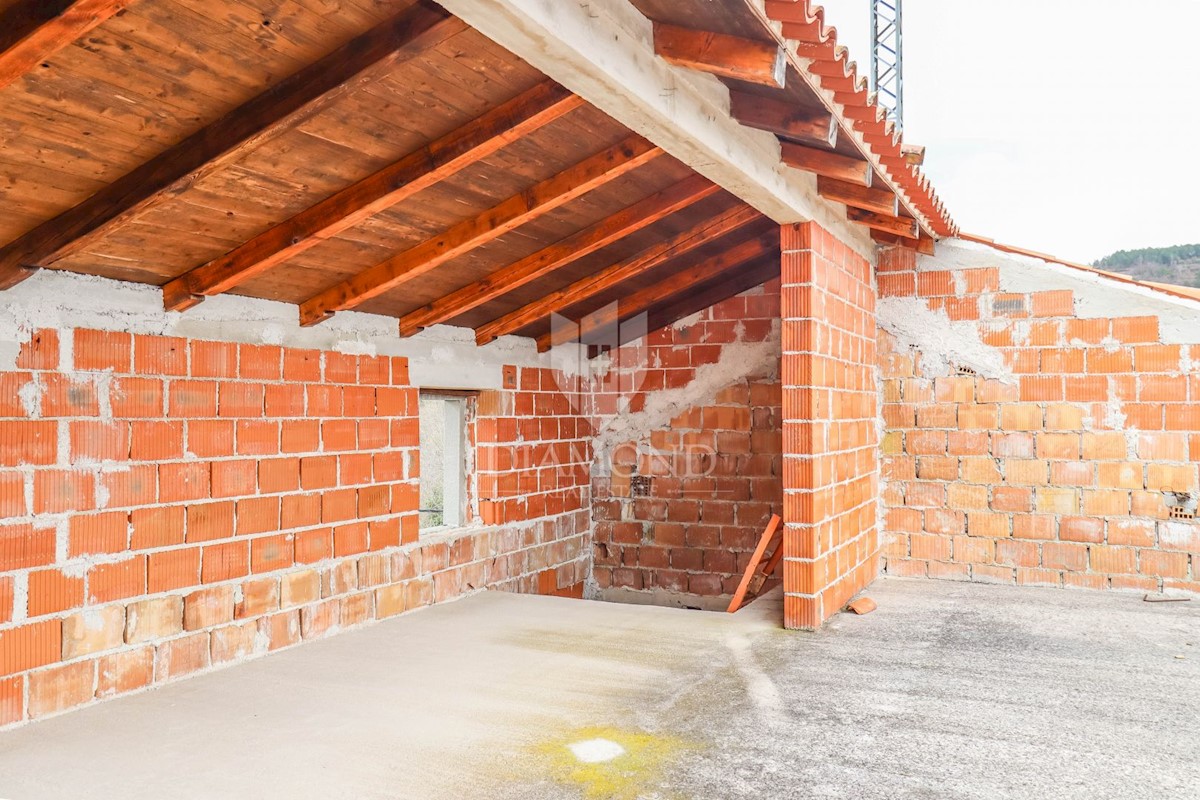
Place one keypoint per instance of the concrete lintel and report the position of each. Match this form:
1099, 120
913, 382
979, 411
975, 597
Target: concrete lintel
603, 50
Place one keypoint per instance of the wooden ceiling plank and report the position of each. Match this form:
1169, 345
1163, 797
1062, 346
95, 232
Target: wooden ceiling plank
32, 31
827, 164
386, 188
508, 215
901, 226
627, 221
708, 231
677, 283
280, 108
882, 201
721, 55
783, 119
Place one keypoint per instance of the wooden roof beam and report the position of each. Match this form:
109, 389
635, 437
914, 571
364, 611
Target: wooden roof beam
280, 108
627, 221
510, 214
827, 164
925, 245
390, 186
882, 201
721, 55
32, 31
900, 226
783, 119
677, 283
654, 256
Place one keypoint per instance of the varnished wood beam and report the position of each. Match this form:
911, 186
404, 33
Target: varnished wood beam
390, 186
280, 108
888, 223
629, 220
721, 55
783, 119
654, 256
827, 164
492, 224
679, 282
32, 31
925, 245
883, 201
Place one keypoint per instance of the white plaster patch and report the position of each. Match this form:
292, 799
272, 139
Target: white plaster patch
944, 344
441, 356
739, 360
1096, 296
596, 751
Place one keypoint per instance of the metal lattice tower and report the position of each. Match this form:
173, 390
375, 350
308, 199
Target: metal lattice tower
887, 57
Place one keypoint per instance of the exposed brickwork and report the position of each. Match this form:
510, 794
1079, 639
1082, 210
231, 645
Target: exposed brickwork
831, 475
171, 505
711, 477
1053, 476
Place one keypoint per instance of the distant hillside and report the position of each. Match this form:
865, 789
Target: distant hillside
1179, 265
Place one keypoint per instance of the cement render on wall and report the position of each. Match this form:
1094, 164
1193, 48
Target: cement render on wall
1095, 295
439, 357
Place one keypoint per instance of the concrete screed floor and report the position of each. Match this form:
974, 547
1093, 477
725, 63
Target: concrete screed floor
948, 690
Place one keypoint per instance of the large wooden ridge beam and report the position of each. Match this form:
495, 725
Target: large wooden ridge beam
32, 31
826, 164
654, 256
783, 119
510, 214
278, 109
643, 299
721, 55
390, 186
628, 220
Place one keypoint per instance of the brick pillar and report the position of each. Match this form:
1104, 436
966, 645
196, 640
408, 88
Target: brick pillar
830, 476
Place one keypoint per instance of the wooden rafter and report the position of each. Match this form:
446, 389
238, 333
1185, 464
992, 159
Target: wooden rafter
508, 215
390, 186
924, 245
654, 256
628, 220
280, 108
721, 55
881, 201
901, 226
680, 281
32, 31
827, 164
783, 119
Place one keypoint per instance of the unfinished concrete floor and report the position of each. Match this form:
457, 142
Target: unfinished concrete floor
948, 690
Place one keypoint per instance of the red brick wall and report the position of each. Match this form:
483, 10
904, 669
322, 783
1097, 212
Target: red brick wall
831, 475
1055, 476
170, 505
715, 468
532, 462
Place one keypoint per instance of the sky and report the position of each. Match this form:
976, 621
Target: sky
1069, 127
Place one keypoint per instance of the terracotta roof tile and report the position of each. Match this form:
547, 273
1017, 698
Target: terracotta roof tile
803, 24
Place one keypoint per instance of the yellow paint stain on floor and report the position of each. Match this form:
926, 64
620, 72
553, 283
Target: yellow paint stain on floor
634, 773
